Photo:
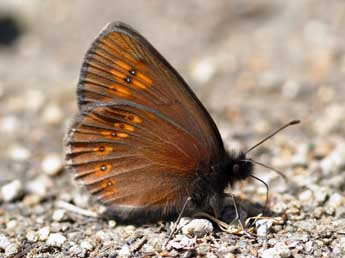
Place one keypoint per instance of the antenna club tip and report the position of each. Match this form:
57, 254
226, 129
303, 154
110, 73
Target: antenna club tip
294, 122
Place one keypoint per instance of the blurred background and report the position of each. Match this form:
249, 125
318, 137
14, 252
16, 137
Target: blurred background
254, 64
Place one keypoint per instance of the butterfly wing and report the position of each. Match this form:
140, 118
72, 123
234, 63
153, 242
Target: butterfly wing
142, 135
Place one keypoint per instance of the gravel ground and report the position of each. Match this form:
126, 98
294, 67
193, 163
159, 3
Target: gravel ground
255, 65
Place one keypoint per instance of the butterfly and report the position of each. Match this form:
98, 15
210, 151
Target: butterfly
143, 143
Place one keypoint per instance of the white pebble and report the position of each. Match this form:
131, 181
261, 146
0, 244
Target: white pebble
198, 227
280, 250
18, 152
56, 239
8, 124
4, 242
87, 245
203, 70
77, 251
11, 191
43, 233
321, 196
263, 227
306, 196
11, 224
32, 236
336, 200
52, 114
111, 223
40, 185
124, 251
330, 120
291, 89
12, 249
334, 161
52, 164
59, 215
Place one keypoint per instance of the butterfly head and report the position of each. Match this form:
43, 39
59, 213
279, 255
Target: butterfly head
240, 167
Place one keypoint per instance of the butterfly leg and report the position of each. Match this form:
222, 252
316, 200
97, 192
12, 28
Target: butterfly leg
238, 218
173, 230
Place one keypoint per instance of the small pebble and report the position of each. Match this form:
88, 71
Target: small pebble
263, 227
306, 196
336, 200
12, 249
81, 200
32, 236
124, 251
31, 200
320, 194
40, 185
59, 215
8, 124
334, 161
291, 89
309, 246
318, 212
112, 223
77, 251
203, 70
300, 158
4, 242
211, 255
11, 224
229, 255
18, 152
197, 227
52, 164
56, 239
52, 114
87, 245
270, 80
280, 250
43, 233
330, 119
11, 191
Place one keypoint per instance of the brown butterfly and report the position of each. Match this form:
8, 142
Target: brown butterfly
143, 143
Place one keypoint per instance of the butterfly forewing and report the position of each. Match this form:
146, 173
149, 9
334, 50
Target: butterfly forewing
121, 64
142, 136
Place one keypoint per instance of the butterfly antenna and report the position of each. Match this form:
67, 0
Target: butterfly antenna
268, 167
294, 122
267, 189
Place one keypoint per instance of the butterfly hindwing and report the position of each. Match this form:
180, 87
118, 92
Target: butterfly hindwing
142, 137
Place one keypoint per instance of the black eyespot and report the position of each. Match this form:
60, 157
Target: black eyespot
128, 79
132, 72
113, 134
101, 149
103, 167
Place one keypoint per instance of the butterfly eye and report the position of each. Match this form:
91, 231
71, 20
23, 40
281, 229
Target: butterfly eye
236, 169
